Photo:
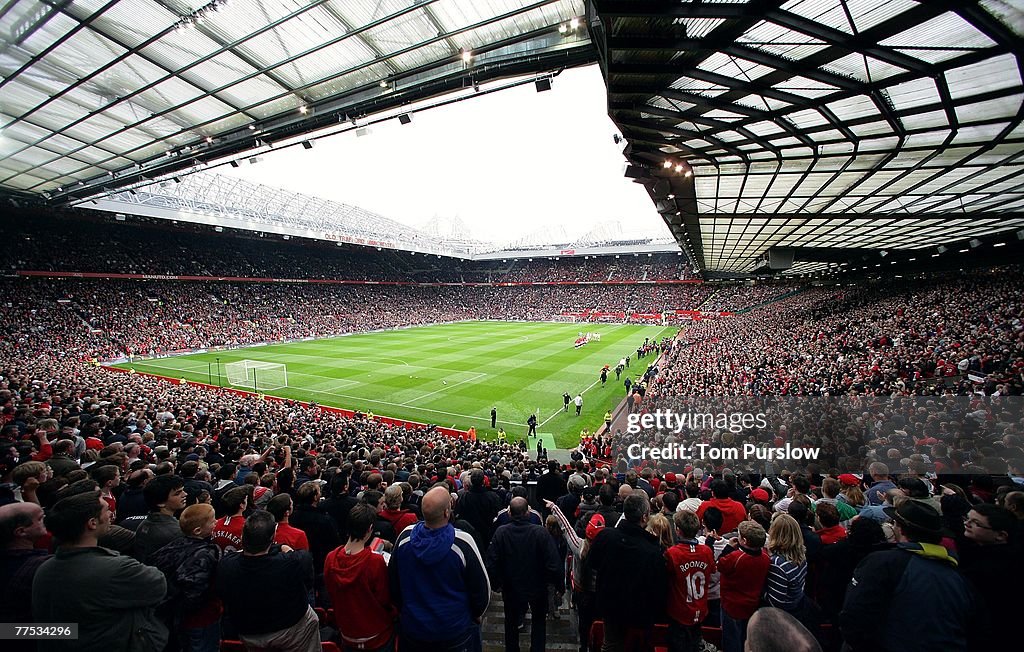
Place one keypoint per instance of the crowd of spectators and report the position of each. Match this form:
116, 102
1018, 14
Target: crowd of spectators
155, 247
114, 318
162, 516
158, 515
732, 298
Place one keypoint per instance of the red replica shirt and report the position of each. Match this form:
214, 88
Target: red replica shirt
291, 536
227, 534
690, 566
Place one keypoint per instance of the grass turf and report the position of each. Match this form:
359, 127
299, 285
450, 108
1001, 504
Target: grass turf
517, 367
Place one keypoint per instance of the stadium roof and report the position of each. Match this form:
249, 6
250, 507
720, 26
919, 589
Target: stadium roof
818, 124
99, 94
829, 127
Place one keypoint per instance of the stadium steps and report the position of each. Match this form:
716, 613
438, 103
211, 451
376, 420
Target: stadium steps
771, 301
705, 301
561, 633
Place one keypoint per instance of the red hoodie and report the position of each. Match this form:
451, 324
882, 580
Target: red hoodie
743, 572
399, 518
733, 512
358, 586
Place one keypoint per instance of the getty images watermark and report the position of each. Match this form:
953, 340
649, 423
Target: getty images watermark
698, 425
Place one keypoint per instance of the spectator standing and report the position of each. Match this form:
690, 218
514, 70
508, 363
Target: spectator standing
629, 562
21, 527
281, 507
357, 580
438, 581
551, 486
288, 623
522, 562
743, 568
189, 563
227, 533
733, 512
479, 506
787, 575
690, 567
165, 496
880, 483
991, 560
321, 530
113, 598
910, 598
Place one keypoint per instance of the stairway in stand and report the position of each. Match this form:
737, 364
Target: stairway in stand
561, 632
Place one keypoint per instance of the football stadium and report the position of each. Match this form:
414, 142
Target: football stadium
465, 326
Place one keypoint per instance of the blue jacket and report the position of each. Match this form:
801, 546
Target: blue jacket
909, 598
438, 581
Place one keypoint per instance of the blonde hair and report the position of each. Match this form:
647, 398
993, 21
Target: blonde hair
661, 527
854, 496
786, 540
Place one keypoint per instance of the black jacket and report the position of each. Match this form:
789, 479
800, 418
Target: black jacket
551, 486
190, 565
154, 533
838, 561
997, 574
321, 531
909, 598
632, 584
522, 560
479, 507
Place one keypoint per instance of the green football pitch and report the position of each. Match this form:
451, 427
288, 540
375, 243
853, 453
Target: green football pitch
448, 374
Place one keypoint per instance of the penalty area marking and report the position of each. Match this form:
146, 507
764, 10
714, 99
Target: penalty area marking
363, 399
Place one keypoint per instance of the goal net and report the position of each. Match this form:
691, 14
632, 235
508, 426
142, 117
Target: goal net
256, 375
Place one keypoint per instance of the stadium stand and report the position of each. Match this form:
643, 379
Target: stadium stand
841, 184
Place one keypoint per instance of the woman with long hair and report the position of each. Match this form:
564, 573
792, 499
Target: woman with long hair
661, 527
788, 571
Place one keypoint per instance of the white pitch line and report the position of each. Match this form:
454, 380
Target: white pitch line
363, 399
571, 405
420, 398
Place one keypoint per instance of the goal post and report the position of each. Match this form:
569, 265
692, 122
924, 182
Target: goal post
257, 375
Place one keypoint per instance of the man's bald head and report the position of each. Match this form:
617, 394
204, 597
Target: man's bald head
774, 630
625, 491
518, 507
20, 521
435, 506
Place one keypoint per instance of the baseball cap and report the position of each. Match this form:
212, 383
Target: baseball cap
760, 495
849, 480
595, 526
916, 514
670, 477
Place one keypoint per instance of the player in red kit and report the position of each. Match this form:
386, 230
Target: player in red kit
690, 566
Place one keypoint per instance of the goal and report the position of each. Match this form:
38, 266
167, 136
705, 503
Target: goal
257, 375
